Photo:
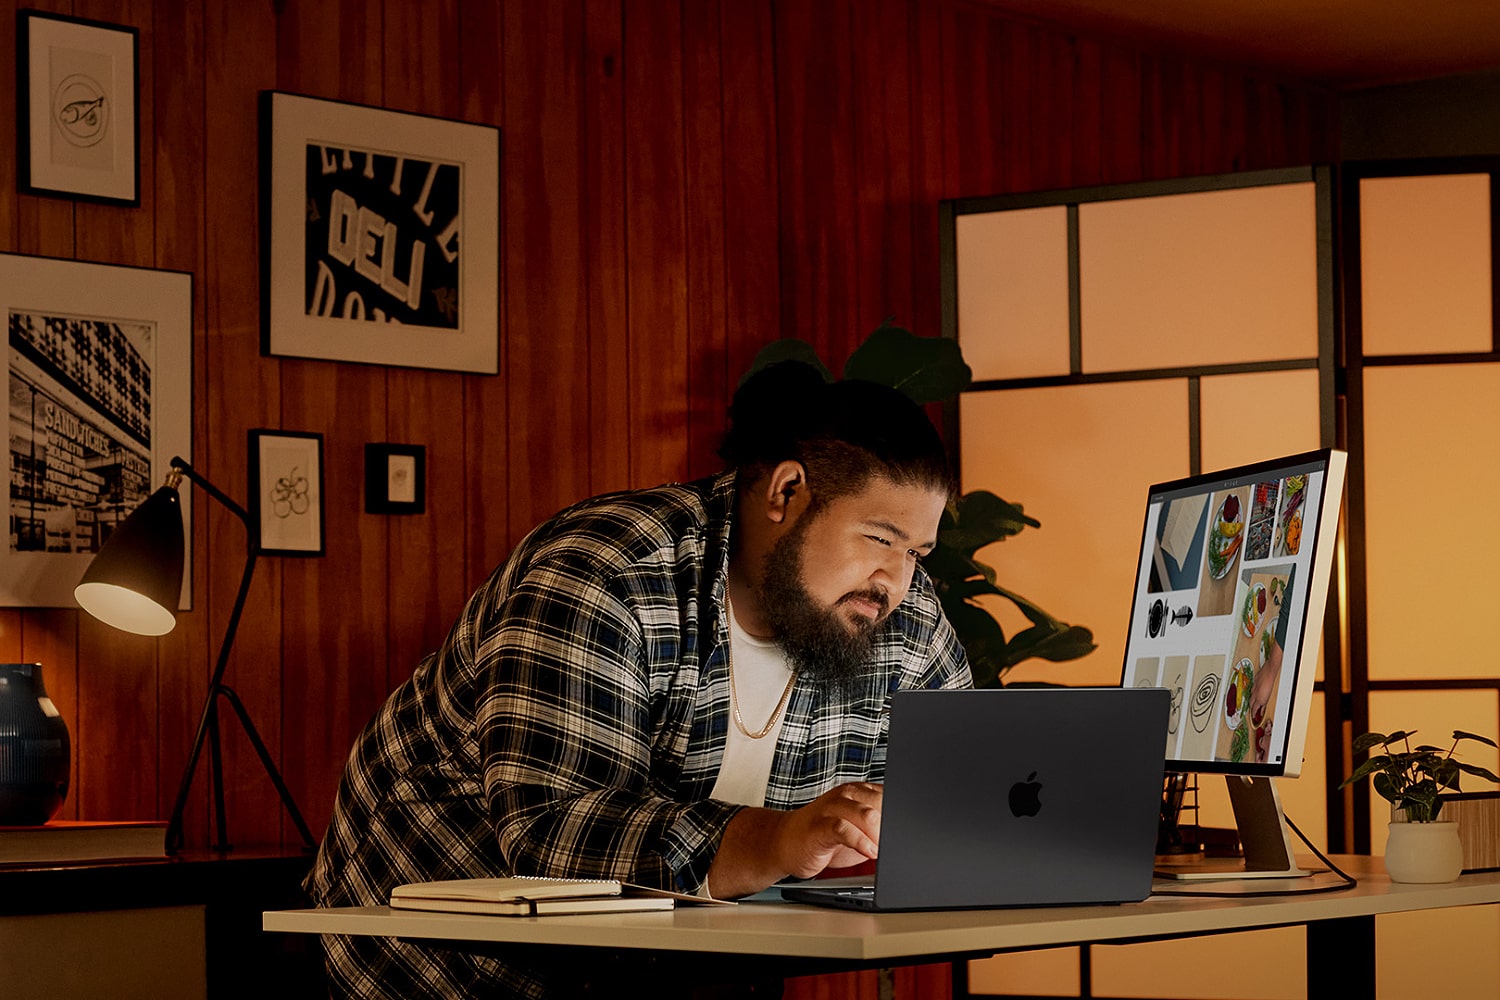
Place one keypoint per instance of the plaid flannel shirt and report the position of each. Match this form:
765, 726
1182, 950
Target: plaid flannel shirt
573, 722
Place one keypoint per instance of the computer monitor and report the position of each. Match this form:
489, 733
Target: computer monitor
1230, 594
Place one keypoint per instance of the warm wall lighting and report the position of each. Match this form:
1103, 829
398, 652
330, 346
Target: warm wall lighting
134, 584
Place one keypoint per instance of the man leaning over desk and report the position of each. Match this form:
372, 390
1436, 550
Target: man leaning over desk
685, 687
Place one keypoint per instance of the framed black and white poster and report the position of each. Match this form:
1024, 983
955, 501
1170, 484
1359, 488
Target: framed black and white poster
286, 491
77, 132
99, 379
383, 236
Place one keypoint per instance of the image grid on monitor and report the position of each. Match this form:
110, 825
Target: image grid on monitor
1220, 611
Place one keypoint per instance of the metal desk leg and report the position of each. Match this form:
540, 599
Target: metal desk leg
1341, 958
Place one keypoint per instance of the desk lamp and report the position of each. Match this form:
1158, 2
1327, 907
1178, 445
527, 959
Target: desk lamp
134, 583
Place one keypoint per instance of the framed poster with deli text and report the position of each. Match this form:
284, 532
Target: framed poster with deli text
382, 236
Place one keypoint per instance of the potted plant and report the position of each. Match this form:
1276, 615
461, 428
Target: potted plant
1421, 848
932, 370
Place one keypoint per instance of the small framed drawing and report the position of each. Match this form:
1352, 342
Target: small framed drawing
286, 491
382, 240
100, 373
395, 479
76, 110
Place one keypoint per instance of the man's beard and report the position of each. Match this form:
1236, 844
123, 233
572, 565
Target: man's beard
822, 644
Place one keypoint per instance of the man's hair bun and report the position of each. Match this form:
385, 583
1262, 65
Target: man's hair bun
771, 411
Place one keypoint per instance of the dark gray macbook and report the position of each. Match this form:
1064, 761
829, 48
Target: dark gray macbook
1015, 797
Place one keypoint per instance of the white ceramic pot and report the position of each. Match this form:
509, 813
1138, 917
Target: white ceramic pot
1423, 852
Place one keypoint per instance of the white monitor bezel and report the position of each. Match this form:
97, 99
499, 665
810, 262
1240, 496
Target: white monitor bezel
1323, 560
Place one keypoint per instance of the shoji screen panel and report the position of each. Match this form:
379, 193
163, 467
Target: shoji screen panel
1013, 292
1207, 278
1432, 478
1079, 459
1425, 250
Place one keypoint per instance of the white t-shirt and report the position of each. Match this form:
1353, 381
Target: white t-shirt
761, 674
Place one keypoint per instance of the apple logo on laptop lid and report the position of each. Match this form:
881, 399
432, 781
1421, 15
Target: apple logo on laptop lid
1025, 796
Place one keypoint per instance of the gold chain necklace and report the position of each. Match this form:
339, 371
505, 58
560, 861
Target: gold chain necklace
734, 699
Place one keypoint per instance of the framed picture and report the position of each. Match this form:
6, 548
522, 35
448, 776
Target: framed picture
99, 378
395, 479
76, 110
286, 491
382, 236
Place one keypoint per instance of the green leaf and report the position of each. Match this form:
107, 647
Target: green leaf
1067, 642
1477, 771
980, 518
1365, 768
1446, 775
949, 563
1369, 740
788, 349
1459, 734
974, 587
983, 641
927, 369
1383, 787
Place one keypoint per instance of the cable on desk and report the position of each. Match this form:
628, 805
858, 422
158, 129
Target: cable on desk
1348, 881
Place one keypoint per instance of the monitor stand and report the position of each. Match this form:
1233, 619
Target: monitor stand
1264, 838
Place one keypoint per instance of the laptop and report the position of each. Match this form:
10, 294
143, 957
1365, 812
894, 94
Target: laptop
1014, 797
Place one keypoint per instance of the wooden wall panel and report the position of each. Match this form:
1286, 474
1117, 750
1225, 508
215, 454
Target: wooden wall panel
682, 182
1086, 115
1124, 136
927, 115
606, 247
544, 326
704, 152
10, 221
752, 199
656, 227
883, 248
815, 126
484, 470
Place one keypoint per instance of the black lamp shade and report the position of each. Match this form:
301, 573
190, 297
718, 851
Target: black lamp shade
135, 581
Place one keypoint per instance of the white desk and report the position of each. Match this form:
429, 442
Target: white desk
1341, 927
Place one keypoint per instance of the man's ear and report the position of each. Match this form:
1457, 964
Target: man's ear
786, 485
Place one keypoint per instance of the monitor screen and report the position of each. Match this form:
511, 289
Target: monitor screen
1230, 596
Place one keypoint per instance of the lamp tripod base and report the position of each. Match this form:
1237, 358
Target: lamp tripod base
210, 730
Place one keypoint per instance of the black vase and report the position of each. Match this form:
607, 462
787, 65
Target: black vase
35, 750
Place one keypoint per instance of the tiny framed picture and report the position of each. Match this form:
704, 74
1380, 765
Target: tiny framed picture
395, 478
77, 129
381, 239
286, 491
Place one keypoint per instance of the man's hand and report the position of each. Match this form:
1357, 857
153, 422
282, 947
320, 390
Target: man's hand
838, 829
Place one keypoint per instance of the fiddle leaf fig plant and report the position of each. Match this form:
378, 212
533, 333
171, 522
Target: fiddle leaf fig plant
932, 370
1414, 779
